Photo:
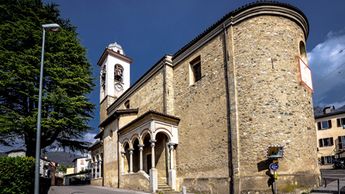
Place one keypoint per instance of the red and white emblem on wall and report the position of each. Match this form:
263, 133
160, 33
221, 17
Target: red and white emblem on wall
305, 75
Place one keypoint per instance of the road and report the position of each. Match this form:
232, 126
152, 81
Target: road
339, 173
88, 189
331, 177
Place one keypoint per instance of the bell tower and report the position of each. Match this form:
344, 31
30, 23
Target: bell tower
114, 76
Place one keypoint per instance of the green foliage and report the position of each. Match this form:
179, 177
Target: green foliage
63, 168
67, 77
17, 175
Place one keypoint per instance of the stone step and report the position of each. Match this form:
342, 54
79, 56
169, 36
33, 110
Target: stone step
171, 192
164, 188
163, 185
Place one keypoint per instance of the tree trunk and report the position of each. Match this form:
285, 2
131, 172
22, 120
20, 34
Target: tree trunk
30, 146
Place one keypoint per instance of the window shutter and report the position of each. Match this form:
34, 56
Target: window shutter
320, 143
319, 125
338, 123
330, 123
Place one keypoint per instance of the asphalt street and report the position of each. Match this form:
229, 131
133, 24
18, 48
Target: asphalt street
88, 189
331, 176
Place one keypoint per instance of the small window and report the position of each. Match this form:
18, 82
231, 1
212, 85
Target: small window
324, 125
341, 122
327, 160
341, 142
303, 52
195, 70
127, 104
325, 142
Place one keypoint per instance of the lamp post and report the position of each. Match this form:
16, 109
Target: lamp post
54, 28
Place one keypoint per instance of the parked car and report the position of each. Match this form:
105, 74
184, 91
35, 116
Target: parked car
339, 163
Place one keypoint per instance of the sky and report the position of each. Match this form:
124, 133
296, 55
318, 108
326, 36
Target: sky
147, 30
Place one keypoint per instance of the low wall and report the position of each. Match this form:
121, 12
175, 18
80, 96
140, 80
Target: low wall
97, 182
206, 185
135, 181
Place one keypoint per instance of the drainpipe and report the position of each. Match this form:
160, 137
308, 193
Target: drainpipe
228, 109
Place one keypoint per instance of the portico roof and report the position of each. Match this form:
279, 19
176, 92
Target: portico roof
116, 114
149, 116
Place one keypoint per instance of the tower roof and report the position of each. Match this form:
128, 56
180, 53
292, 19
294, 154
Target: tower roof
116, 47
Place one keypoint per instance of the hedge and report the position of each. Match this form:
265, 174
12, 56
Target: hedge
17, 175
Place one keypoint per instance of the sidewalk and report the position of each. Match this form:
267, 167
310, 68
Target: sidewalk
332, 187
88, 189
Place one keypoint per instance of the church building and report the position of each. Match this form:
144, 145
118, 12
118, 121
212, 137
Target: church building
230, 112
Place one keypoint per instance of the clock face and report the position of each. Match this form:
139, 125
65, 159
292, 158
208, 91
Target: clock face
118, 87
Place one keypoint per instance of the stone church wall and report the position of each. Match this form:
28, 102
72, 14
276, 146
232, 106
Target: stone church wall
273, 108
149, 96
202, 153
110, 161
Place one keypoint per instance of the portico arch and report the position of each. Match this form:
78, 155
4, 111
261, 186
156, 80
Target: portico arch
125, 157
161, 156
136, 154
147, 153
152, 139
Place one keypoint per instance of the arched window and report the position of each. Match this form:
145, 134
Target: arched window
103, 75
303, 52
118, 73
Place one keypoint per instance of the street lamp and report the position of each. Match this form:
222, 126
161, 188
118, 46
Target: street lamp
53, 28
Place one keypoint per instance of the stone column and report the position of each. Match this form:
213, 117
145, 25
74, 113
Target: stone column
96, 168
100, 168
141, 146
172, 171
153, 159
130, 160
122, 168
171, 148
153, 170
92, 169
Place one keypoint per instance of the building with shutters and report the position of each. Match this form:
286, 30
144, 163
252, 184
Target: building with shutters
331, 136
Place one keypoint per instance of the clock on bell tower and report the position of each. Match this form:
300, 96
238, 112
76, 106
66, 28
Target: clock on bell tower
114, 74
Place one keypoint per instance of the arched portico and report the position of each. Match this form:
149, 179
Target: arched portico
148, 147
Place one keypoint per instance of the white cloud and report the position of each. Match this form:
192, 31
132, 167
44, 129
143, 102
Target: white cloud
89, 137
327, 62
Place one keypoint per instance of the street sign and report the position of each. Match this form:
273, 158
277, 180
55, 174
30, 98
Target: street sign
275, 151
273, 166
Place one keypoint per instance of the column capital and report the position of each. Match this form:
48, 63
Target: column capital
141, 145
171, 147
153, 140
171, 144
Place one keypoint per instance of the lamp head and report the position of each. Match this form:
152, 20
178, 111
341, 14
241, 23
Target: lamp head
51, 27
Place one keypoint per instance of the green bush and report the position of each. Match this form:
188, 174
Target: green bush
17, 175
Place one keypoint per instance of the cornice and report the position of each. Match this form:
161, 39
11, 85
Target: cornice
241, 14
114, 54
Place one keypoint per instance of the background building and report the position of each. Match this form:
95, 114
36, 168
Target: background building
81, 164
331, 135
213, 116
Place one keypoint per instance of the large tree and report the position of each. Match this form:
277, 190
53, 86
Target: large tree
67, 78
